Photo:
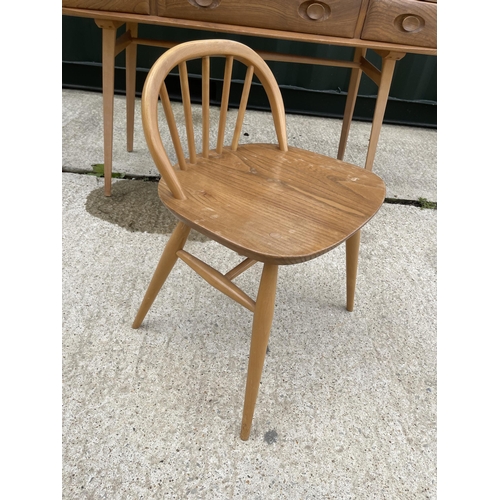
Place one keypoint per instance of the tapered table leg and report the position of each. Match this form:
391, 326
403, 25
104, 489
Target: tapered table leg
130, 76
388, 64
352, 93
108, 89
352, 253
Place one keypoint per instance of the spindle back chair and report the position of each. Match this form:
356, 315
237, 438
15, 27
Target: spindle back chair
268, 202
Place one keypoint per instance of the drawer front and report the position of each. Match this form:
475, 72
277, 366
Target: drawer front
130, 6
327, 17
409, 22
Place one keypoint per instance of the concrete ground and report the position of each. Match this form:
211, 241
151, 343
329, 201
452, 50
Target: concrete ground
347, 405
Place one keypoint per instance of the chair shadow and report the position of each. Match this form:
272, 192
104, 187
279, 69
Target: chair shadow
135, 206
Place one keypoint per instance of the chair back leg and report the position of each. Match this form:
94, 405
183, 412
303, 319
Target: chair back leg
263, 318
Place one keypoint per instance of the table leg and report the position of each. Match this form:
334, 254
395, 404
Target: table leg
352, 254
130, 72
352, 93
108, 89
388, 64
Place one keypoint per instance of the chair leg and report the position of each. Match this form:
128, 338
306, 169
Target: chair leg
167, 261
352, 252
263, 318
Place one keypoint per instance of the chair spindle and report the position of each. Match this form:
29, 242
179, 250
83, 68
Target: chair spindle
224, 102
167, 108
240, 268
243, 107
205, 104
188, 116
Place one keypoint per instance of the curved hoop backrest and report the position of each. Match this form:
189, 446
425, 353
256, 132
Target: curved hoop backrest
155, 86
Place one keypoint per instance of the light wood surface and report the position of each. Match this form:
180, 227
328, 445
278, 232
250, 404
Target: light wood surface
280, 32
352, 253
388, 64
242, 107
268, 202
228, 69
217, 280
240, 268
352, 92
174, 133
167, 262
335, 18
205, 98
130, 75
261, 328
130, 6
188, 115
402, 21
275, 206
108, 77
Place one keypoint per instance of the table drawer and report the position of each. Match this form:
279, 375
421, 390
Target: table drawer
130, 6
409, 22
327, 17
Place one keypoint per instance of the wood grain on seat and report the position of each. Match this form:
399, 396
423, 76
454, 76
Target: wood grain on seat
281, 207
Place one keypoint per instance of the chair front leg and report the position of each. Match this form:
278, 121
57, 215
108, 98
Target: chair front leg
262, 321
167, 261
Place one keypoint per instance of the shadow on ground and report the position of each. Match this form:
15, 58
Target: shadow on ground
135, 206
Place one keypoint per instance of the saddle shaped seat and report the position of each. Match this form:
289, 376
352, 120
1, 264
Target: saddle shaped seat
281, 207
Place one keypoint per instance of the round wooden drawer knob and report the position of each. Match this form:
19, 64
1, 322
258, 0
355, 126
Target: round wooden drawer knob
315, 11
204, 3
411, 23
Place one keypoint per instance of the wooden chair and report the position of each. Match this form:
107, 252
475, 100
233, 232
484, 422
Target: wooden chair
269, 203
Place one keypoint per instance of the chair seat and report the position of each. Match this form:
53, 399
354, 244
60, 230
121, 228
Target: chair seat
279, 207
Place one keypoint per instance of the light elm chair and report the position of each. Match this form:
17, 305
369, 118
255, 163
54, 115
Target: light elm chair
270, 203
